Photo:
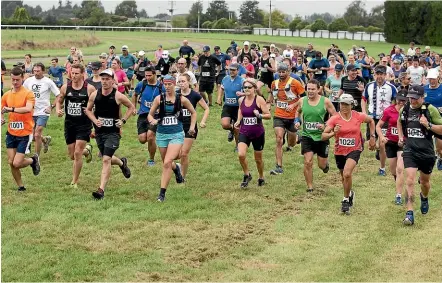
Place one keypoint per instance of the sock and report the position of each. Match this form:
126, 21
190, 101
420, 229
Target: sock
162, 192
422, 197
346, 199
176, 169
383, 169
410, 212
399, 195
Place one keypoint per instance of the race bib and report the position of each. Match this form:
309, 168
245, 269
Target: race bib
197, 73
384, 131
147, 104
186, 113
282, 104
16, 125
264, 70
141, 69
394, 131
440, 110
125, 70
335, 92
249, 121
55, 80
205, 74
169, 121
74, 109
299, 73
231, 100
106, 122
318, 72
415, 133
311, 125
347, 142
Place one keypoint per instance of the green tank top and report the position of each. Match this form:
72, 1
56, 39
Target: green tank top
311, 117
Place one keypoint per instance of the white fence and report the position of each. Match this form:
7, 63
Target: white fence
378, 37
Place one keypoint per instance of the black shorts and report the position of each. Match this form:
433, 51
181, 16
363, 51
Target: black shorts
317, 147
108, 143
423, 163
230, 112
341, 159
73, 133
266, 80
143, 125
258, 143
284, 123
392, 148
384, 129
186, 128
206, 87
19, 143
220, 78
357, 107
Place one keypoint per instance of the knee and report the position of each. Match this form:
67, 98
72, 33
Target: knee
278, 141
142, 139
150, 138
37, 134
78, 154
71, 155
242, 155
226, 126
346, 175
308, 164
167, 164
184, 154
410, 180
399, 170
106, 159
16, 163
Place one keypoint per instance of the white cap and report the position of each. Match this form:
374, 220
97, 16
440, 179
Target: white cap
427, 47
165, 54
107, 72
433, 74
361, 49
246, 43
272, 45
272, 55
141, 53
346, 98
124, 47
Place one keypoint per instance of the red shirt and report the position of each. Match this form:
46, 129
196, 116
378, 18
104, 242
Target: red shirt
349, 137
250, 68
391, 116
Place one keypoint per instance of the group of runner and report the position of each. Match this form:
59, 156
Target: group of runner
314, 99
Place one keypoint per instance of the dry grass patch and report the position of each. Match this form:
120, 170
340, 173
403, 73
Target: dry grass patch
86, 40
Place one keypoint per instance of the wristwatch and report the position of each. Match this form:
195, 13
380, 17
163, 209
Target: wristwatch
429, 126
373, 135
124, 121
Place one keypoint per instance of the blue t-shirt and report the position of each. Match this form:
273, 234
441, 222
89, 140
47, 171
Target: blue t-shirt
146, 98
223, 58
317, 64
434, 96
57, 74
230, 88
128, 62
241, 71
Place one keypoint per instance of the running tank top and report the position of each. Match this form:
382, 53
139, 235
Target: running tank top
266, 74
365, 71
90, 81
298, 71
251, 126
249, 54
75, 103
312, 116
107, 111
194, 97
170, 116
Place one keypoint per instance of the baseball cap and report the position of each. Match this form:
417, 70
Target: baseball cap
361, 49
286, 54
351, 67
282, 67
206, 48
96, 65
380, 69
416, 91
381, 55
141, 53
415, 58
19, 64
124, 47
427, 47
402, 95
107, 72
339, 67
246, 43
433, 74
112, 46
165, 54
272, 55
234, 66
272, 45
346, 98
103, 55
397, 61
217, 48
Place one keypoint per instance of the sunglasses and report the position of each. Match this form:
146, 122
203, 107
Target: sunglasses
247, 87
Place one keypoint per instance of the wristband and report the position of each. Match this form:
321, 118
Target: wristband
297, 120
259, 116
13, 109
124, 121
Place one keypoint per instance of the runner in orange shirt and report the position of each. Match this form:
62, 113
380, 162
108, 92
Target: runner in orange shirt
286, 91
19, 103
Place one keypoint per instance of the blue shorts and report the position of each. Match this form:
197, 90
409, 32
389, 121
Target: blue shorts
163, 140
41, 120
19, 143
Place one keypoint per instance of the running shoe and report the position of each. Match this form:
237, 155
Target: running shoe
278, 170
382, 172
98, 194
439, 164
245, 181
74, 186
425, 206
89, 153
345, 207
46, 143
289, 149
161, 198
178, 175
21, 189
310, 190
150, 162
409, 218
378, 157
261, 182
124, 168
35, 165
398, 200
326, 169
351, 198
230, 136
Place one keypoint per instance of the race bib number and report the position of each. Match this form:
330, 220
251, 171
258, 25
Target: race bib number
55, 80
264, 70
335, 92
147, 104
16, 125
141, 69
311, 126
74, 109
415, 133
186, 113
394, 131
169, 121
106, 122
197, 73
299, 73
231, 100
384, 131
205, 74
348, 142
318, 72
281, 104
249, 121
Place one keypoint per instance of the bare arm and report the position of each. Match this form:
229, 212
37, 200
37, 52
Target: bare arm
330, 107
153, 109
238, 121
122, 99
328, 133
265, 110
90, 106
60, 100
203, 104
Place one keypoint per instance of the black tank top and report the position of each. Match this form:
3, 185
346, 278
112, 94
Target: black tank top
248, 54
75, 103
90, 81
107, 111
268, 75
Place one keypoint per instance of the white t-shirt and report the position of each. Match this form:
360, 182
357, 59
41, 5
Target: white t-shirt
384, 95
191, 75
411, 52
416, 74
42, 89
390, 71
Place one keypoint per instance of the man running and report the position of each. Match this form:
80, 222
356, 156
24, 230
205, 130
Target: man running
181, 68
314, 109
19, 103
186, 52
417, 124
77, 126
210, 67
354, 85
128, 62
286, 91
225, 61
141, 65
164, 64
42, 88
268, 67
106, 118
56, 72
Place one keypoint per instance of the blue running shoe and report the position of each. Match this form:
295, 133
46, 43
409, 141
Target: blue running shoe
425, 206
439, 164
382, 172
409, 218
398, 200
150, 162
278, 170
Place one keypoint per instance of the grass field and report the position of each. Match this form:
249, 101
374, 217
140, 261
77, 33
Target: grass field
209, 229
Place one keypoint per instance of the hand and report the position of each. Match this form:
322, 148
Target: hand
48, 110
297, 125
424, 122
135, 112
6, 109
337, 128
119, 123
360, 86
383, 140
98, 123
320, 127
290, 107
256, 112
372, 144
154, 122
400, 143
237, 123
239, 93
202, 124
191, 132
60, 113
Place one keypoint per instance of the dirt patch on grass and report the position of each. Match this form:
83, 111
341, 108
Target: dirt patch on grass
82, 41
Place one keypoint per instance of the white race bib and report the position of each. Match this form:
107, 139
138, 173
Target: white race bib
318, 72
311, 125
384, 131
169, 121
141, 69
125, 70
335, 92
106, 122
16, 125
264, 70
186, 113
440, 110
74, 111
415, 133
282, 104
231, 100
394, 131
55, 79
347, 142
249, 121
205, 74
147, 104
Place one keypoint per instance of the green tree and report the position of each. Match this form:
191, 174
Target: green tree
127, 8
192, 17
356, 29
8, 8
249, 13
143, 13
319, 24
217, 9
207, 24
223, 23
372, 29
337, 25
88, 8
277, 20
293, 24
376, 16
302, 25
433, 34
21, 15
356, 14
179, 22
397, 20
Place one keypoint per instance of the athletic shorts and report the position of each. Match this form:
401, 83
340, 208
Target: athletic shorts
143, 125
358, 107
74, 133
19, 143
392, 148
284, 123
220, 78
108, 143
186, 128
230, 112
266, 80
258, 143
384, 129
423, 163
206, 87
41, 120
317, 147
163, 140
341, 159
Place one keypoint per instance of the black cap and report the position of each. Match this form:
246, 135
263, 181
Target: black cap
351, 67
402, 95
380, 69
381, 55
339, 67
416, 91
415, 58
216, 47
112, 46
96, 65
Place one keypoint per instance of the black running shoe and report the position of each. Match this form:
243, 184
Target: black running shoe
261, 182
98, 194
245, 181
310, 190
326, 169
124, 168
345, 207
351, 198
178, 176
21, 189
161, 198
230, 136
35, 165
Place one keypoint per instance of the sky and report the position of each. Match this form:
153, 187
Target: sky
291, 7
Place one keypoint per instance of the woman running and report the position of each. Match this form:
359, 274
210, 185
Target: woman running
121, 78
170, 133
345, 126
391, 139
195, 98
252, 110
